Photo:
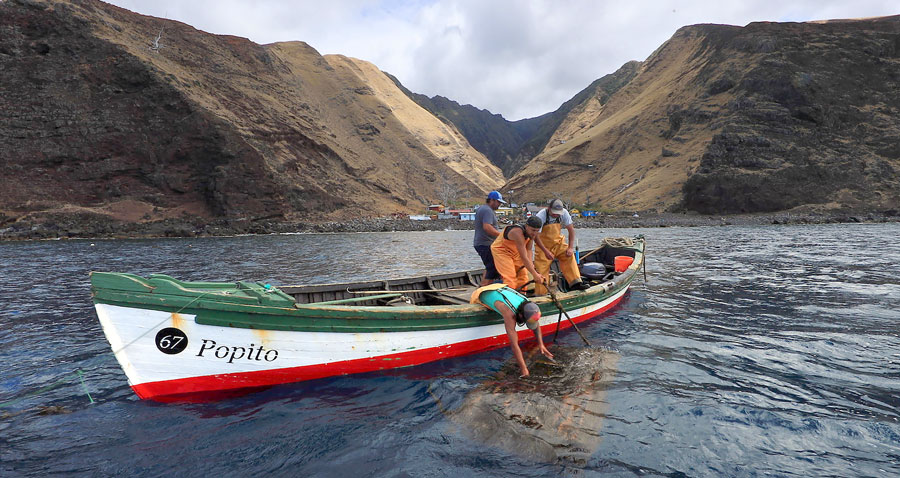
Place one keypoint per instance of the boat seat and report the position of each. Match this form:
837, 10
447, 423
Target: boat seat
448, 298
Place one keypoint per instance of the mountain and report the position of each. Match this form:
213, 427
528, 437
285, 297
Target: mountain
111, 114
725, 119
511, 144
110, 117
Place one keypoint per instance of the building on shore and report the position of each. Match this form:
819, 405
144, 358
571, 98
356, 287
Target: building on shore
531, 209
457, 212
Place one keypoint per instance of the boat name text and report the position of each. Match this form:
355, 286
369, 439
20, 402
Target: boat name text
251, 353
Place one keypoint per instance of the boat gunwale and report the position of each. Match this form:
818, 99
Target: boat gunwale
295, 289
302, 317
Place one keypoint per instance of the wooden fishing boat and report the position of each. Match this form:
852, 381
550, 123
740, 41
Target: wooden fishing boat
190, 341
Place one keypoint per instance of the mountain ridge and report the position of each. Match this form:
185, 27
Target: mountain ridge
511, 144
726, 119
122, 118
194, 124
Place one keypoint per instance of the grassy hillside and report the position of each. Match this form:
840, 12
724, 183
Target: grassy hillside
511, 144
722, 119
102, 120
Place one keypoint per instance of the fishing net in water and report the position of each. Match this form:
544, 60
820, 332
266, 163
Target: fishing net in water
554, 415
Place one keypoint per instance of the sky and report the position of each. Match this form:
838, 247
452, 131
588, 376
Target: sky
518, 58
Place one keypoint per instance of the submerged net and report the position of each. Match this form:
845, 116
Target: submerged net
554, 415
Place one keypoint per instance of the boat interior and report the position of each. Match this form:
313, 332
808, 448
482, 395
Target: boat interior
597, 266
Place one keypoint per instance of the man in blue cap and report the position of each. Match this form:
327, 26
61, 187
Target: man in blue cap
486, 231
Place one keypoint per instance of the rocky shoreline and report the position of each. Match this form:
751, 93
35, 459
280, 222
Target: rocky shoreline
98, 226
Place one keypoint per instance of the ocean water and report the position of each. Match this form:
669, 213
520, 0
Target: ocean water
751, 351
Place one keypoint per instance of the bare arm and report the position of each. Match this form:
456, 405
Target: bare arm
540, 339
490, 229
571, 250
509, 321
519, 238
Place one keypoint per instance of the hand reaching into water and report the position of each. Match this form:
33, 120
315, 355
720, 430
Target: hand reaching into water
546, 352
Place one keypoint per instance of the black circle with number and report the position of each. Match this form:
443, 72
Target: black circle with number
171, 341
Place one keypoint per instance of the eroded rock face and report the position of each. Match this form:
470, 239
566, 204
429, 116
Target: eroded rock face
814, 119
554, 415
85, 124
101, 122
104, 109
724, 119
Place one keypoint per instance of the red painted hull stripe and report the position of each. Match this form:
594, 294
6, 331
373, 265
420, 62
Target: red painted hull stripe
182, 388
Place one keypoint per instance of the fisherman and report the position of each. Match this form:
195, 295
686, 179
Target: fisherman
486, 231
516, 311
555, 217
512, 253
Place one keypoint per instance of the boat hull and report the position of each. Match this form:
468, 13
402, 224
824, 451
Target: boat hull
169, 356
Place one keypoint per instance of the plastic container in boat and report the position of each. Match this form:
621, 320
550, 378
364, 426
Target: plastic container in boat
622, 263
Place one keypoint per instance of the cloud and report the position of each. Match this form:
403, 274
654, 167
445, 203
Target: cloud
518, 58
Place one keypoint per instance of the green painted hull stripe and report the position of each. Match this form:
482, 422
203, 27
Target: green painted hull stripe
253, 306
334, 319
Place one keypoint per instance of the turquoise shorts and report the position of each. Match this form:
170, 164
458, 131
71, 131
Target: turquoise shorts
490, 296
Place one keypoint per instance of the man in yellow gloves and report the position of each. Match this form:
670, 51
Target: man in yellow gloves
516, 310
555, 217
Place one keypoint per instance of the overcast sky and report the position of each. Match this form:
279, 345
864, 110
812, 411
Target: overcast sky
519, 58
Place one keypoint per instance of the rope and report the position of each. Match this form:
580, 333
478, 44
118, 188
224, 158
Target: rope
644, 258
437, 400
66, 378
619, 242
84, 386
57, 384
185, 306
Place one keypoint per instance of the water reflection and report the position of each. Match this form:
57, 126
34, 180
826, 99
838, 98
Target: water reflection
554, 415
752, 351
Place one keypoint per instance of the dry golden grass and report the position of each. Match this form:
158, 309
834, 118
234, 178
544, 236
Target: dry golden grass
612, 154
322, 125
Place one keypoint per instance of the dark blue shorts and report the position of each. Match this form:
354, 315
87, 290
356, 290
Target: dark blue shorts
490, 272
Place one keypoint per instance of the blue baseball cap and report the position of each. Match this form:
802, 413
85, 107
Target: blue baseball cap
496, 195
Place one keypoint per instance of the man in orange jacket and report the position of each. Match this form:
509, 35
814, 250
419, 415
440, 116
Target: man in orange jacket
512, 253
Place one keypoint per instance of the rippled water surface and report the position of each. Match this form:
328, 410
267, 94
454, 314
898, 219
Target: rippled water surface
751, 351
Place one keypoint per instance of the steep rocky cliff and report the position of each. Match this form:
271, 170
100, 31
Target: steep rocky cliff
114, 114
722, 119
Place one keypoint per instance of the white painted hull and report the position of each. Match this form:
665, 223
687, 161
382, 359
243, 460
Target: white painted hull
216, 358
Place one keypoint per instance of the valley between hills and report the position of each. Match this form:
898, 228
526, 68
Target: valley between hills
106, 133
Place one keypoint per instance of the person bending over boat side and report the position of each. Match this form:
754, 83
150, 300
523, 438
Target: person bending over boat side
485, 232
516, 311
555, 217
512, 253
